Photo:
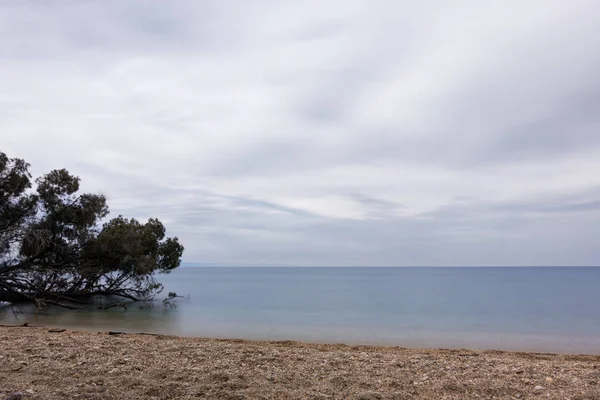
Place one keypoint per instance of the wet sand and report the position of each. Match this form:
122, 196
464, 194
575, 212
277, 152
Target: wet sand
92, 365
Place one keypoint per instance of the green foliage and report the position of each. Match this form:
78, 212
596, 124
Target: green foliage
53, 249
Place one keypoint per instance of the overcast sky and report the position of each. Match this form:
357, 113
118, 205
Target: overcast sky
330, 132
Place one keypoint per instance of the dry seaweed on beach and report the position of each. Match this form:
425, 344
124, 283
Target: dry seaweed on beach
88, 365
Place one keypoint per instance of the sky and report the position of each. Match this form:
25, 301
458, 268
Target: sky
320, 133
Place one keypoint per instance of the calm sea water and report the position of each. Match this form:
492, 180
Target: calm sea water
540, 309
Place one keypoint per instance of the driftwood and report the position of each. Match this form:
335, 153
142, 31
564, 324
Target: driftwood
26, 324
61, 330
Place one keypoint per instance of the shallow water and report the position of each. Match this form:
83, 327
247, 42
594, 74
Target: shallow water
539, 309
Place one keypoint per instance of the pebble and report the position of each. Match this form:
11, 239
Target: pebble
549, 380
538, 388
29, 391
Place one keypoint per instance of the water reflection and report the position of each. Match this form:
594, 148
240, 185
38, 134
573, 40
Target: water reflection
138, 317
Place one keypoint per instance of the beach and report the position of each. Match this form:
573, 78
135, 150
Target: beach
45, 363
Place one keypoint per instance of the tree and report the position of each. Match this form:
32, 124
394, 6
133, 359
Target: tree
53, 249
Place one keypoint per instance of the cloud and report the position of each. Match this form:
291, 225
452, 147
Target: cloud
339, 133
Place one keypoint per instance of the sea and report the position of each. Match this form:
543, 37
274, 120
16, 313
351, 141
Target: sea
543, 309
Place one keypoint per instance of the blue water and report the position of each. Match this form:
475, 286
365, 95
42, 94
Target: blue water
545, 309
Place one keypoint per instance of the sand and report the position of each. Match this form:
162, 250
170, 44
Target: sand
92, 365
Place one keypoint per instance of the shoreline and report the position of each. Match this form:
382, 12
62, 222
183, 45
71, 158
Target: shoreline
98, 365
478, 341
257, 340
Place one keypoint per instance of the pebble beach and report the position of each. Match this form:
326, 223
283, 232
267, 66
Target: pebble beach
44, 363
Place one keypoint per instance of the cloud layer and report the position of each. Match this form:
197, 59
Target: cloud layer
321, 133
